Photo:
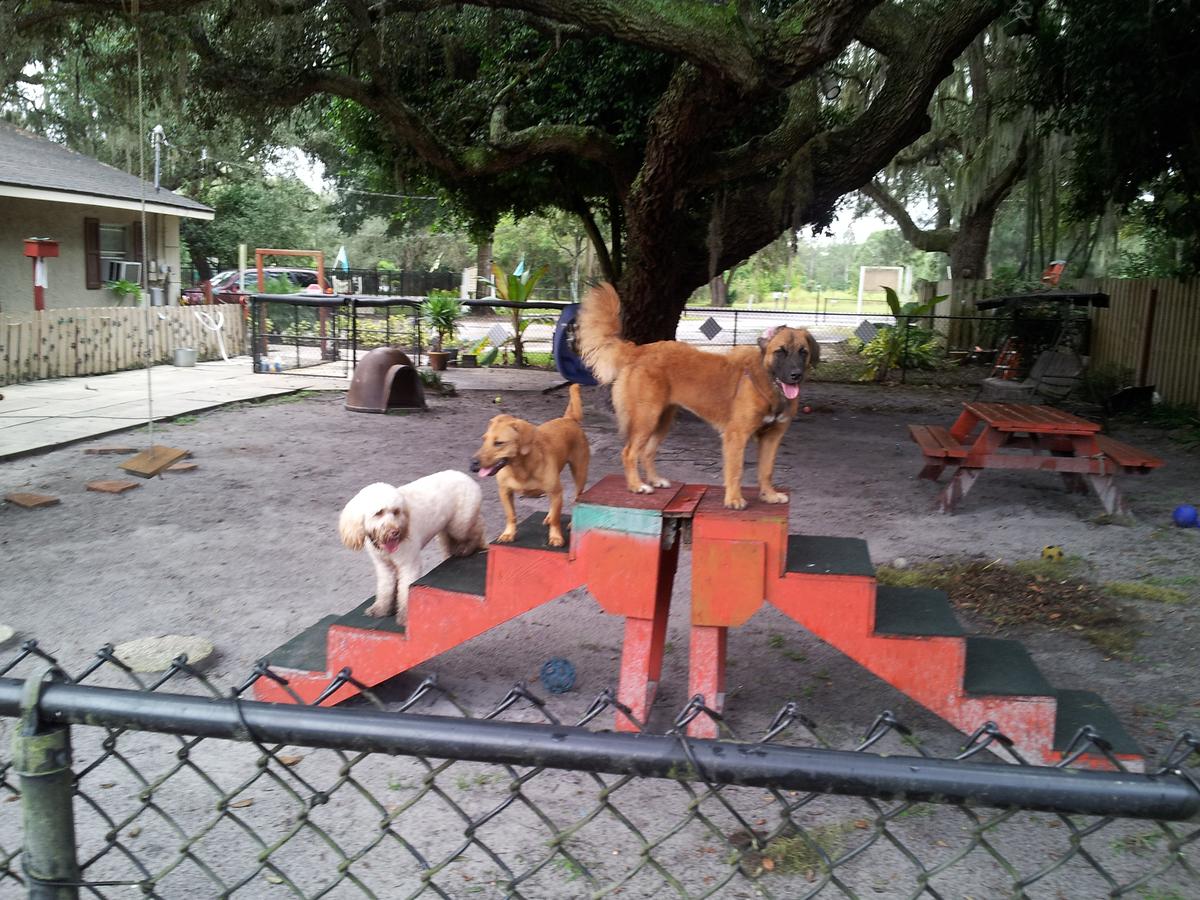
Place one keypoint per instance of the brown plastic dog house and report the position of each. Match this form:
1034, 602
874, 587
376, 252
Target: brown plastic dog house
384, 379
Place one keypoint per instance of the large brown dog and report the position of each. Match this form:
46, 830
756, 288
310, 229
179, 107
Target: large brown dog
528, 460
746, 392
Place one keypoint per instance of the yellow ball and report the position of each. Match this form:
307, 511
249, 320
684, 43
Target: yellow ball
496, 400
1052, 552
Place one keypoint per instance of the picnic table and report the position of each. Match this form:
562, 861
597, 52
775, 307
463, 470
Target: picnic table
1024, 436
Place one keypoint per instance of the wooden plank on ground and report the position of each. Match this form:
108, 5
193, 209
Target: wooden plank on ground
151, 462
111, 486
27, 500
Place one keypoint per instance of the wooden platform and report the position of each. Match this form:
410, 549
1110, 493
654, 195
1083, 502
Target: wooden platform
624, 548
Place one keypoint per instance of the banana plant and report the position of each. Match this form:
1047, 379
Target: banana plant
895, 345
517, 287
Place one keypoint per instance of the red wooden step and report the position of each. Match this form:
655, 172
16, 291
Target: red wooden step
456, 601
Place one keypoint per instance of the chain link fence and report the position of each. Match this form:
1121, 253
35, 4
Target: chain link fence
945, 350
180, 789
325, 335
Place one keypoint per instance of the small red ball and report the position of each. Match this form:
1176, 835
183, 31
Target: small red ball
807, 410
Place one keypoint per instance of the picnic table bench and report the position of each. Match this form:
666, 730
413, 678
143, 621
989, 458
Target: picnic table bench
1052, 441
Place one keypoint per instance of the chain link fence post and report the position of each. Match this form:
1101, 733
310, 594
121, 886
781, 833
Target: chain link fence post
41, 757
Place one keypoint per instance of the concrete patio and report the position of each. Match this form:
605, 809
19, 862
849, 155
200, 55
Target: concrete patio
41, 415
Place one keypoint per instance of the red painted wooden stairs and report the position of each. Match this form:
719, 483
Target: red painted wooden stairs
908, 637
458, 600
624, 548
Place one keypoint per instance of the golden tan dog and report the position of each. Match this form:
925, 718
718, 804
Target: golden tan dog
750, 391
527, 459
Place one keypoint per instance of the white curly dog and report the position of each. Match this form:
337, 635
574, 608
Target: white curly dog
395, 523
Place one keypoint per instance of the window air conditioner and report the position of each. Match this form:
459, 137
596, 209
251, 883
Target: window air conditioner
120, 270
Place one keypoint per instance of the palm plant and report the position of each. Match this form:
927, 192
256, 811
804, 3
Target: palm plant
902, 344
441, 313
517, 287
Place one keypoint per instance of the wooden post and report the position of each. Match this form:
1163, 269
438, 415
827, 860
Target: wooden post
1143, 370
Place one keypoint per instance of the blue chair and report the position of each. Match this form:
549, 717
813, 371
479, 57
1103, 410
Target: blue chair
566, 352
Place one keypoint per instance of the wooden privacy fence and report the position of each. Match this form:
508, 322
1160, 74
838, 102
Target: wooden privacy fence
60, 343
1151, 328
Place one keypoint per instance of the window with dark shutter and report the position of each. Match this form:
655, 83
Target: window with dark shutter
91, 254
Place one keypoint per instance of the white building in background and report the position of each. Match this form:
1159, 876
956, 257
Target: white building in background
93, 211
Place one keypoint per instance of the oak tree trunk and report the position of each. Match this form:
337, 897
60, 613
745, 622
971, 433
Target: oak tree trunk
969, 250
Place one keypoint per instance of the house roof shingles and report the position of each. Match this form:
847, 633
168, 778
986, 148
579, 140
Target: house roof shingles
29, 161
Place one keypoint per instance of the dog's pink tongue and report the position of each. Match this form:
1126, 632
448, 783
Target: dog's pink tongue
487, 471
791, 391
390, 546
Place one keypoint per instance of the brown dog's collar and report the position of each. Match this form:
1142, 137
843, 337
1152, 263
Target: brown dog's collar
774, 400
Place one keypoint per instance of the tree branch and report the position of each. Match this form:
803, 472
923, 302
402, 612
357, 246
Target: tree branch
835, 163
580, 208
503, 152
934, 241
799, 123
1002, 182
887, 30
755, 53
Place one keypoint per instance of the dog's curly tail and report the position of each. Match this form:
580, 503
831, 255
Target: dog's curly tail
575, 404
600, 342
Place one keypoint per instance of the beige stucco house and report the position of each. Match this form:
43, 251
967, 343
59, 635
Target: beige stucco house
94, 211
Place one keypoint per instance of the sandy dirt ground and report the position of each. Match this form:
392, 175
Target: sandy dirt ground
244, 551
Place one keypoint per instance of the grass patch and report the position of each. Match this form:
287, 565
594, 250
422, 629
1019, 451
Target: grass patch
793, 854
777, 641
1136, 590
434, 383
276, 399
1138, 844
1048, 594
917, 811
922, 575
185, 420
571, 869
466, 782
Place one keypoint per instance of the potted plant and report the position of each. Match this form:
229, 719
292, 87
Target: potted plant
440, 314
123, 289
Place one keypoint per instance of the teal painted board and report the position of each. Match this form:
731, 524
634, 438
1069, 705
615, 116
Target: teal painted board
587, 517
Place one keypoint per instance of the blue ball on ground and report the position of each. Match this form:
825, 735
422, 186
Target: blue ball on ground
1186, 516
558, 675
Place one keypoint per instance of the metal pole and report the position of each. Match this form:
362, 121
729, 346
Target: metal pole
1167, 796
417, 326
41, 757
